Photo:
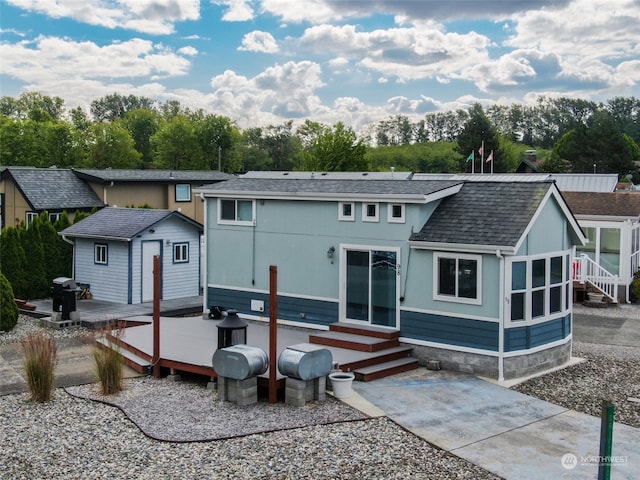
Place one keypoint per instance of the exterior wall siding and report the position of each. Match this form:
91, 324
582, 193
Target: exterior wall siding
531, 336
108, 282
295, 309
449, 330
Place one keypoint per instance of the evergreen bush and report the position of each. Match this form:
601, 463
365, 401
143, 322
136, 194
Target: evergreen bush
8, 309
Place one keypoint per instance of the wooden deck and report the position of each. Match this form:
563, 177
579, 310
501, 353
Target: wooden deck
187, 344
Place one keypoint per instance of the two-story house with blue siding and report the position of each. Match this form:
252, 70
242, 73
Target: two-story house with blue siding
114, 250
475, 274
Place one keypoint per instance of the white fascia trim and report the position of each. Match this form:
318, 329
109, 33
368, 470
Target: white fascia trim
449, 314
462, 247
445, 192
607, 218
100, 237
266, 292
546, 346
446, 346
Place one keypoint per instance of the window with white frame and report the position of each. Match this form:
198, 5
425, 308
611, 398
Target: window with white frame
236, 211
100, 254
180, 252
54, 217
183, 192
457, 278
539, 287
30, 217
346, 212
395, 213
370, 212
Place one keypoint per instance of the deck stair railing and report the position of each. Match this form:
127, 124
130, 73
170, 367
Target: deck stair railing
586, 271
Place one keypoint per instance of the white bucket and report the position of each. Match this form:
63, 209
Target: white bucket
341, 383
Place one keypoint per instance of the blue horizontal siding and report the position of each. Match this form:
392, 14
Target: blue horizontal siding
316, 312
531, 336
456, 331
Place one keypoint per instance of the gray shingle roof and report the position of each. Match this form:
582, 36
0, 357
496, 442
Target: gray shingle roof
491, 213
53, 188
328, 186
329, 175
169, 176
121, 223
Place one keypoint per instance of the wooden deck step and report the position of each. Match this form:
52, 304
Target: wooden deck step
351, 341
137, 363
364, 330
375, 358
381, 370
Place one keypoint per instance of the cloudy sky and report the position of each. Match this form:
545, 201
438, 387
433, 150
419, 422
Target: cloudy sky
263, 62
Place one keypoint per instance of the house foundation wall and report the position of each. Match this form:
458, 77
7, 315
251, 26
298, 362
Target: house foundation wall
487, 365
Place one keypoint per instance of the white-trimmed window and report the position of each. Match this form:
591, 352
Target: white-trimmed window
183, 192
54, 217
236, 211
457, 278
370, 212
346, 212
30, 217
539, 287
101, 253
395, 213
181, 252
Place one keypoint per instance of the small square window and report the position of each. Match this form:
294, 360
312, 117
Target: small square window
180, 252
101, 252
395, 213
370, 212
346, 212
236, 212
183, 192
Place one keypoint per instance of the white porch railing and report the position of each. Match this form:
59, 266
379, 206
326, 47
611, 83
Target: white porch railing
586, 270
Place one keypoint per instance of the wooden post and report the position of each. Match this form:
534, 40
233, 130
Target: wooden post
156, 316
273, 332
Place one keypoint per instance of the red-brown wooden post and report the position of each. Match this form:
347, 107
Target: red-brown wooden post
273, 332
156, 316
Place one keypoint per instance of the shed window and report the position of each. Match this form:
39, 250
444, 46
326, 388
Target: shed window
183, 192
101, 252
180, 252
457, 278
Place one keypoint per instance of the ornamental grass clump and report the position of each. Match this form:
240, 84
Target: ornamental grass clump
108, 360
40, 357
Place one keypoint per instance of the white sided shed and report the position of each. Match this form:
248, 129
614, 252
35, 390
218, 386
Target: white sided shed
114, 250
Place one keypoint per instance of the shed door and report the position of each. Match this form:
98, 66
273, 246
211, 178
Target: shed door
371, 286
149, 250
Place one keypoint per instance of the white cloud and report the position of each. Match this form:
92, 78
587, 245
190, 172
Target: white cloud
148, 16
237, 10
189, 51
258, 41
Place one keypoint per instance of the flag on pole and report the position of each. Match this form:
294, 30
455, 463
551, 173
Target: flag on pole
489, 158
481, 149
470, 158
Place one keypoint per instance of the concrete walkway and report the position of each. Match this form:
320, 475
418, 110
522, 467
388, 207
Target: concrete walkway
506, 432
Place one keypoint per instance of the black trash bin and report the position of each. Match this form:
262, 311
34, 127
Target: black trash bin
64, 292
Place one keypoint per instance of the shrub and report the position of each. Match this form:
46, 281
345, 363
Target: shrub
635, 287
108, 360
40, 356
8, 309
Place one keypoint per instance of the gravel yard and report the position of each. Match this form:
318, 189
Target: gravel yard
75, 437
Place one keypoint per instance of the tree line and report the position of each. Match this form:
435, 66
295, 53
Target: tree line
139, 133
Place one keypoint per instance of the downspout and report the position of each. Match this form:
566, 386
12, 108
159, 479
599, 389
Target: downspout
73, 263
501, 319
104, 193
204, 274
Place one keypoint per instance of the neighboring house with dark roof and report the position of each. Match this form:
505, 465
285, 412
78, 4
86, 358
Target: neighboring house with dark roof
167, 189
114, 249
611, 222
25, 192
473, 274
